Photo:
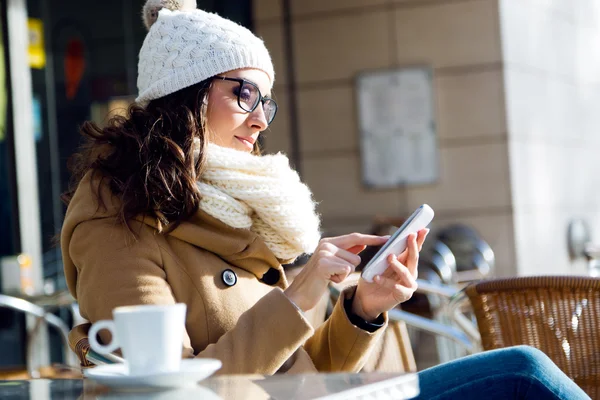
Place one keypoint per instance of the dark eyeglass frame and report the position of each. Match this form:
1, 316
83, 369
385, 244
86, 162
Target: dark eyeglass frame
261, 99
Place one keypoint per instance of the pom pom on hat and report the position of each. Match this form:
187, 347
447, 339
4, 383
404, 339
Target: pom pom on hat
185, 46
152, 7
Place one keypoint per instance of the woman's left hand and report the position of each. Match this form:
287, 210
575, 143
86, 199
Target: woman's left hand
396, 285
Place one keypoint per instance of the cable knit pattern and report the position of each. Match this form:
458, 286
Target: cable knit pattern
185, 47
261, 193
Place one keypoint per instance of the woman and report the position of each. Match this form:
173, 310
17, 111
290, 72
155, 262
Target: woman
173, 203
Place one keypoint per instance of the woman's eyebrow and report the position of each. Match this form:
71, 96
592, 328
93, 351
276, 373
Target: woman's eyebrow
245, 79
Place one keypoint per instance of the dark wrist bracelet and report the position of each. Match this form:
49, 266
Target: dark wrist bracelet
360, 322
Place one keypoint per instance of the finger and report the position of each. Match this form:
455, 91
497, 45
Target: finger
403, 257
400, 273
421, 238
390, 284
357, 239
412, 257
328, 250
337, 267
345, 255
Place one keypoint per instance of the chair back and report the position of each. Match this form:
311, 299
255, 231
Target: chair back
560, 315
79, 344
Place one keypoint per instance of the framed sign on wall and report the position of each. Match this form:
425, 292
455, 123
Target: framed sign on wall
397, 128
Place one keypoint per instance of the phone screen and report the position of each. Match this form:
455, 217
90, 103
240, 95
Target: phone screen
398, 232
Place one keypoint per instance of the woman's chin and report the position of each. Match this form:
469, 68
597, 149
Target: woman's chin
240, 148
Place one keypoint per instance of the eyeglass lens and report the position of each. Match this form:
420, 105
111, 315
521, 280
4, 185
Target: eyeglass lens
249, 97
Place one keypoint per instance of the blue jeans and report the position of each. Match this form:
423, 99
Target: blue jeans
519, 372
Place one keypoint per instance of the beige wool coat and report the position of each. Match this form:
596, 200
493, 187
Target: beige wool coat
252, 327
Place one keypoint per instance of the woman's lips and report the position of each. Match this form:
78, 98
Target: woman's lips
247, 142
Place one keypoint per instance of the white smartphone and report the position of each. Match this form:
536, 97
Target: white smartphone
397, 243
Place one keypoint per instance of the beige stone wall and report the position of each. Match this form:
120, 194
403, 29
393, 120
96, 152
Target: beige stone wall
334, 40
552, 80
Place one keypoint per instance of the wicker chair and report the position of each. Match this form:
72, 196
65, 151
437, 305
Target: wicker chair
80, 345
559, 315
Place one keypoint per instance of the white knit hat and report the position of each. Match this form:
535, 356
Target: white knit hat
185, 46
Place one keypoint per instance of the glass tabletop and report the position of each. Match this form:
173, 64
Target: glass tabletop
289, 387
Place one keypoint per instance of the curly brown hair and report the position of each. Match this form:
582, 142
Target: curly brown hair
147, 157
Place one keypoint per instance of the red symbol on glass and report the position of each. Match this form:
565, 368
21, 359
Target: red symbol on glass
74, 67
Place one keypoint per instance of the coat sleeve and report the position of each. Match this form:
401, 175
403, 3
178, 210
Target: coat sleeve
338, 345
113, 270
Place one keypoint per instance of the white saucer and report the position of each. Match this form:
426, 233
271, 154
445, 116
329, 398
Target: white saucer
196, 392
191, 372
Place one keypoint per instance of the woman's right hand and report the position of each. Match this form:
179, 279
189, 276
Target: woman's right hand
333, 260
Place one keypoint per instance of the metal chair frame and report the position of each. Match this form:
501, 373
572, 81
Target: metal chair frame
41, 316
468, 338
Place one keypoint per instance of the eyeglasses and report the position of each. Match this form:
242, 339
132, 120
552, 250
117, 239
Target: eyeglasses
249, 97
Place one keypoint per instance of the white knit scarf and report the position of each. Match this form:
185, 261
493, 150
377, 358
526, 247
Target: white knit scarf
263, 194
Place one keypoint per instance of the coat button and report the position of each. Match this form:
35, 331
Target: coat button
229, 277
271, 277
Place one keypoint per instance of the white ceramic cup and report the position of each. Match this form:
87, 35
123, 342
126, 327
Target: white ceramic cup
150, 337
